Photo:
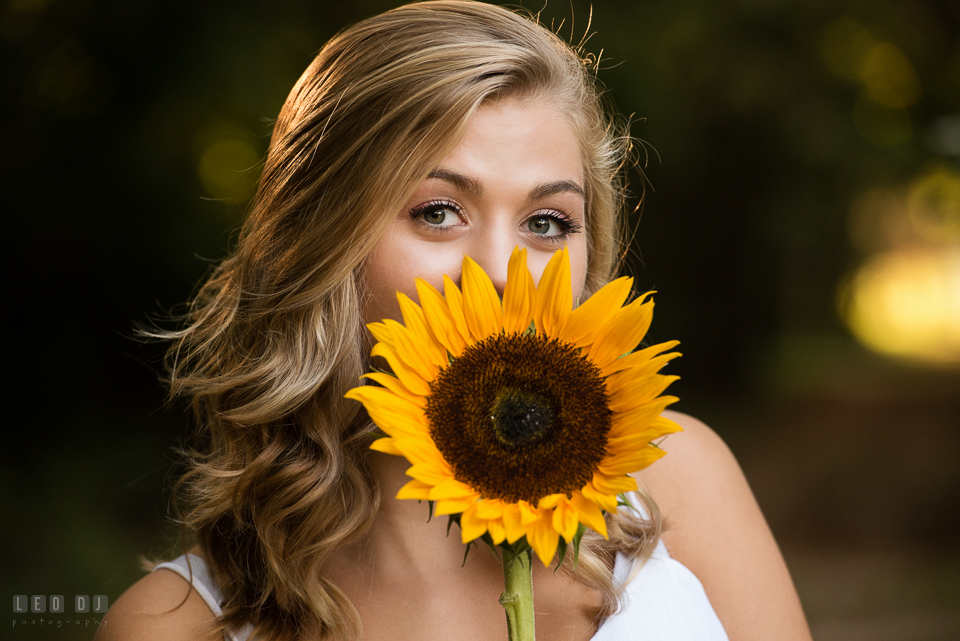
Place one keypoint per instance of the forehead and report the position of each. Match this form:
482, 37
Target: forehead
515, 140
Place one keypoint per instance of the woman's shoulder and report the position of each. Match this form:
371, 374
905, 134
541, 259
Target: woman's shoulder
697, 485
161, 606
716, 529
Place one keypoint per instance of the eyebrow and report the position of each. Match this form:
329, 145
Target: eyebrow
463, 182
557, 187
539, 192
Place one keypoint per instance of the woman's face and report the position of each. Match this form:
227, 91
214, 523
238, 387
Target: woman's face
516, 178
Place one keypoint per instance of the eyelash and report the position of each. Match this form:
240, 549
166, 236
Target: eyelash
567, 227
417, 214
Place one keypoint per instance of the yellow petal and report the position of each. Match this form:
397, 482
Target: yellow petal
451, 489
550, 501
415, 321
481, 304
622, 333
565, 520
612, 485
664, 426
409, 350
631, 435
394, 423
512, 523
455, 305
497, 532
417, 451
414, 490
545, 539
386, 445
381, 397
654, 364
520, 294
582, 324
393, 384
381, 333
589, 514
490, 509
439, 319
471, 526
399, 425
628, 442
528, 513
606, 501
630, 461
640, 418
639, 391
430, 473
640, 358
554, 294
454, 506
407, 375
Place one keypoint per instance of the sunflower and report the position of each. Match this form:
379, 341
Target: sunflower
525, 416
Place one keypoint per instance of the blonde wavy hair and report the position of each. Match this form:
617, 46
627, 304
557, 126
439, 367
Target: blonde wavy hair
274, 337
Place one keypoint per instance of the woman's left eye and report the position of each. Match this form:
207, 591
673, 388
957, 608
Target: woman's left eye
438, 216
546, 226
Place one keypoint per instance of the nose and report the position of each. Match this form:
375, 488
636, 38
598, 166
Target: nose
493, 255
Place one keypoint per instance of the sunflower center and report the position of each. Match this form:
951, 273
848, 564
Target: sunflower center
519, 417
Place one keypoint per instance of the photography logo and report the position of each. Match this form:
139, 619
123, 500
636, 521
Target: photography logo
37, 604
56, 604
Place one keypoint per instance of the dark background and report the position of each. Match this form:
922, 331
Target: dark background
789, 145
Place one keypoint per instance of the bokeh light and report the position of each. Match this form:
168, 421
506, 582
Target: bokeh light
227, 163
889, 82
906, 303
934, 206
905, 299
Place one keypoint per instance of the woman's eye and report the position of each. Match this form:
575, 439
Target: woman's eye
439, 215
545, 226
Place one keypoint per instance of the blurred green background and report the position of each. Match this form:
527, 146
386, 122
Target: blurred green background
802, 228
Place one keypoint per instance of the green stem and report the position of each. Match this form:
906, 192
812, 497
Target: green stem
517, 597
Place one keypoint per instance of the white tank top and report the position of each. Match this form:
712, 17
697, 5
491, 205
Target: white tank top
663, 602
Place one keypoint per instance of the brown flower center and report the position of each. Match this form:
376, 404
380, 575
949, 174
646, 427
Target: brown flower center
520, 417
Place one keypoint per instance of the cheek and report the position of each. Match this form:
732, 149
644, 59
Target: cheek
396, 261
382, 277
578, 268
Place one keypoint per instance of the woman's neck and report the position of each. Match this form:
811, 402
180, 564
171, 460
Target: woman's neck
401, 538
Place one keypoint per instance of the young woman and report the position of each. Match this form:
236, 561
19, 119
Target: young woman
416, 137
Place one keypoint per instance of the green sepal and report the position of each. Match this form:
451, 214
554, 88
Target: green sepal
514, 551
561, 553
430, 505
451, 519
466, 551
531, 330
581, 530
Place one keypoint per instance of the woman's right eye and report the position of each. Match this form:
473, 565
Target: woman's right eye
437, 215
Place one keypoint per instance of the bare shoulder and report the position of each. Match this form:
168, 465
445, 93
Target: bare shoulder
161, 606
698, 481
716, 529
